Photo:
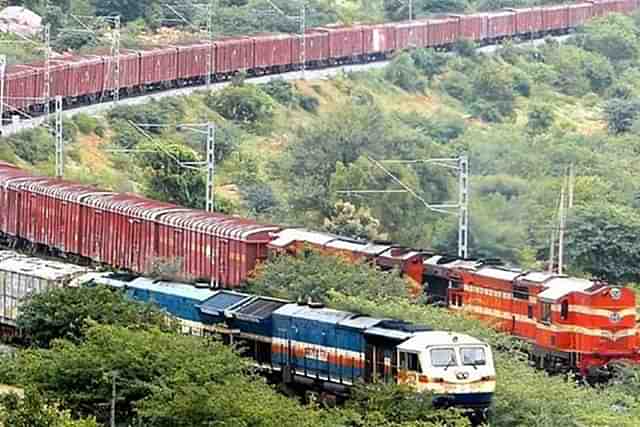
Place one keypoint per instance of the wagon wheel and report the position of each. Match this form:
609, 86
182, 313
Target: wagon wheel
621, 371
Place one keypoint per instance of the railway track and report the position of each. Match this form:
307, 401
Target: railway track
314, 74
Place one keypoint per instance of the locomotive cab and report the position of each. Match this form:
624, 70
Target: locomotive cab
456, 369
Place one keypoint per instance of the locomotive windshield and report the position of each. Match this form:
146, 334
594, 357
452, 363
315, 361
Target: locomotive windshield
473, 356
443, 357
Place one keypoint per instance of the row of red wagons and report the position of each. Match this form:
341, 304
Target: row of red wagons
90, 78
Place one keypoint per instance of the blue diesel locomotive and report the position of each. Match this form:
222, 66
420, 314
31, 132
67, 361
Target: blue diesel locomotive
327, 349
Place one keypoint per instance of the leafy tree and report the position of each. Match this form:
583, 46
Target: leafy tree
613, 36
457, 85
313, 275
260, 198
33, 146
494, 83
350, 221
602, 241
168, 179
33, 411
403, 73
129, 10
62, 313
540, 119
73, 40
621, 113
162, 380
245, 104
429, 61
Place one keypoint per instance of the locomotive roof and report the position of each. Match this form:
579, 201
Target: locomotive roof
326, 315
560, 287
498, 273
171, 288
221, 301
422, 340
291, 235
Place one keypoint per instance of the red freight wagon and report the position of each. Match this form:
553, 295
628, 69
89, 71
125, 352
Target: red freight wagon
58, 75
316, 47
605, 7
19, 87
501, 24
579, 14
234, 54
627, 6
378, 39
344, 42
528, 20
273, 50
193, 60
411, 35
473, 27
158, 65
214, 246
86, 76
11, 197
555, 18
442, 31
129, 69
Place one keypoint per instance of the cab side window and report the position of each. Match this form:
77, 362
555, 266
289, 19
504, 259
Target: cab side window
546, 312
564, 310
409, 362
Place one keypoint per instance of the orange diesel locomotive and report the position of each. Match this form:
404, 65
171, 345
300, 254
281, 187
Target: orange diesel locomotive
572, 324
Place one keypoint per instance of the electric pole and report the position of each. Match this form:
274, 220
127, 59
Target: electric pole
303, 38
115, 53
463, 214
47, 70
114, 376
561, 236
461, 208
3, 66
210, 49
410, 10
59, 139
211, 166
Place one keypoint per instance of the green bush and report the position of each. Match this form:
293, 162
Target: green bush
281, 91
32, 146
621, 113
246, 104
85, 123
457, 85
309, 103
403, 73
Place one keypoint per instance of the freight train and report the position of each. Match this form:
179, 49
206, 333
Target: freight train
307, 345
82, 79
573, 324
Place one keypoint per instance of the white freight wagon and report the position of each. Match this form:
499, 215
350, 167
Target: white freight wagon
22, 276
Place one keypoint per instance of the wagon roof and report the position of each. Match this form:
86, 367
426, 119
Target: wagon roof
17, 70
215, 223
41, 268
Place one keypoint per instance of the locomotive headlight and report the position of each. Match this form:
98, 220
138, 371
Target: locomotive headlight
462, 375
616, 294
615, 317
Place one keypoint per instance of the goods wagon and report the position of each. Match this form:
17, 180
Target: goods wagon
86, 76
379, 40
158, 66
345, 43
326, 349
528, 20
129, 70
273, 52
411, 35
604, 7
19, 87
316, 47
473, 27
382, 254
442, 31
555, 18
193, 61
22, 276
501, 24
59, 75
234, 54
579, 14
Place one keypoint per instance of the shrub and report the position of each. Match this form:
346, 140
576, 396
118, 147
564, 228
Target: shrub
621, 113
403, 73
540, 118
457, 85
281, 91
86, 124
309, 103
246, 104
